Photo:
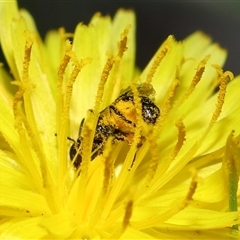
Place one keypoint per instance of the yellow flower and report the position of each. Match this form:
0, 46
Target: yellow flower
178, 178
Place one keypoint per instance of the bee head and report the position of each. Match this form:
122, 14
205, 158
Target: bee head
150, 112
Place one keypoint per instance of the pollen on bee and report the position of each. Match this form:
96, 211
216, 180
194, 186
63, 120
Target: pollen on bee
122, 120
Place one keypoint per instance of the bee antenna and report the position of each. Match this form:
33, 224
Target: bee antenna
71, 139
67, 138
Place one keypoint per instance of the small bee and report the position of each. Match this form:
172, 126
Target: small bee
118, 121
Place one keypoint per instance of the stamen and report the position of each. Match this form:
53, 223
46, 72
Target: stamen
192, 188
167, 105
86, 150
123, 42
171, 92
107, 182
63, 65
24, 85
231, 171
62, 124
198, 75
196, 79
21, 123
125, 173
105, 74
225, 78
86, 145
154, 158
108, 166
111, 62
158, 58
30, 38
111, 66
139, 123
157, 132
165, 163
126, 220
78, 65
20, 119
74, 74
181, 138
127, 216
177, 207
63, 105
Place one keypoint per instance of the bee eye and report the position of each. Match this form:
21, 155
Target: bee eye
73, 151
150, 112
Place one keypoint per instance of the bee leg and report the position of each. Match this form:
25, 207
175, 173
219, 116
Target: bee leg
118, 136
96, 153
135, 154
74, 152
140, 143
81, 125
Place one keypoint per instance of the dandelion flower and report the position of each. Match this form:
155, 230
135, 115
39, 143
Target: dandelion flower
175, 178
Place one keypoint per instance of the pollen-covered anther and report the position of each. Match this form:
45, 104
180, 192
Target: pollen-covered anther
158, 58
108, 166
193, 185
30, 39
86, 145
168, 103
177, 206
139, 121
181, 137
191, 190
168, 100
176, 149
225, 78
64, 63
78, 65
138, 105
231, 171
65, 93
153, 163
24, 84
197, 77
109, 66
127, 215
104, 76
123, 42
